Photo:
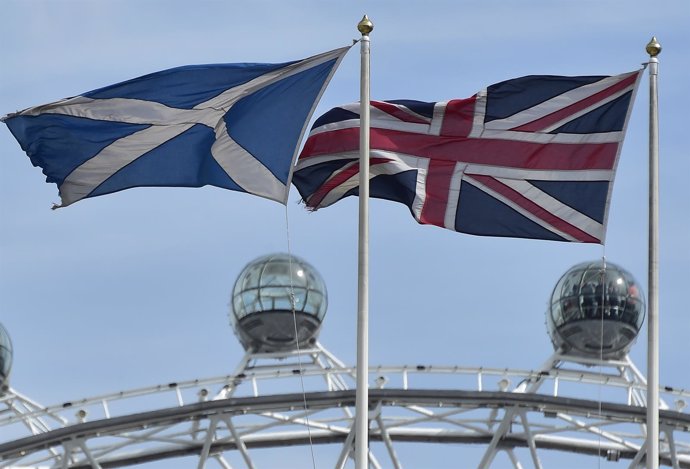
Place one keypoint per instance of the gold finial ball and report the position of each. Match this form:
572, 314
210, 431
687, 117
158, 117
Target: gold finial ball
365, 26
653, 48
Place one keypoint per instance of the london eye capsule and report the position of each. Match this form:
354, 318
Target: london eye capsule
596, 311
278, 304
5, 357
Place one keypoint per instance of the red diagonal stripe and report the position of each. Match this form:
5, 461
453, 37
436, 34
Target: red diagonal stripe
533, 208
398, 113
562, 113
317, 197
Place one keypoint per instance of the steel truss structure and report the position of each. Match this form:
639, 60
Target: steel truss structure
307, 397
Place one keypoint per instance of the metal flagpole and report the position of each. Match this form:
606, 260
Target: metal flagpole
653, 49
362, 394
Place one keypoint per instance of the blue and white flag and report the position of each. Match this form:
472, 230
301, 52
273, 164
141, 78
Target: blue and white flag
234, 126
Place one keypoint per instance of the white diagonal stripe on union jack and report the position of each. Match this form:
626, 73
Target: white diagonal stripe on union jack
539, 207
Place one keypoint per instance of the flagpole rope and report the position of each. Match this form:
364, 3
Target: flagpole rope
294, 325
601, 344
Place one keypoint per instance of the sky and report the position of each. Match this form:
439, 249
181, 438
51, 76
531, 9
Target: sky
132, 289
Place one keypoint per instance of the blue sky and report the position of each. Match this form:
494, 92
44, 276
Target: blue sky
132, 289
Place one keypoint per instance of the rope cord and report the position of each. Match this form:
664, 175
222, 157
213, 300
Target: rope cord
299, 353
601, 343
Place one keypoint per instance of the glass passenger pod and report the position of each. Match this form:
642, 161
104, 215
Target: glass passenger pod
596, 310
266, 293
5, 358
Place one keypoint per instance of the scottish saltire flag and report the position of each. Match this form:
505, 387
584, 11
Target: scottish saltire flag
532, 157
234, 126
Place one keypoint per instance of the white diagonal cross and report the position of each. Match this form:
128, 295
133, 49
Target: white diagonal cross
167, 123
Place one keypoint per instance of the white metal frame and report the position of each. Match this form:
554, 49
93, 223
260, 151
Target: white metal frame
261, 405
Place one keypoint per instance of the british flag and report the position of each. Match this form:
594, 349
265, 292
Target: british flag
532, 157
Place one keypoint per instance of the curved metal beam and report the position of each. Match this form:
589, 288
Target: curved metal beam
334, 399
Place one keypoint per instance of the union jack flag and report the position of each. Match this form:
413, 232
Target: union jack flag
532, 157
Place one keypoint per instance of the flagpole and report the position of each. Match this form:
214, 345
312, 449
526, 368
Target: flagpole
653, 49
362, 394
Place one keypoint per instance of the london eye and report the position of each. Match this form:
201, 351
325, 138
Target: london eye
289, 390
